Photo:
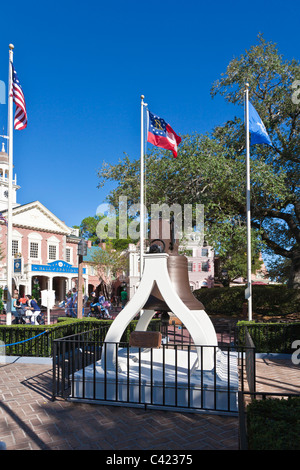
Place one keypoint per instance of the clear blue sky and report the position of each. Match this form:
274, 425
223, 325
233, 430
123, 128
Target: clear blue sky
84, 65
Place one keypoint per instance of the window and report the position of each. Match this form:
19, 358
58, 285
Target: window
34, 250
205, 266
92, 270
68, 255
190, 266
52, 252
35, 247
53, 248
204, 252
15, 247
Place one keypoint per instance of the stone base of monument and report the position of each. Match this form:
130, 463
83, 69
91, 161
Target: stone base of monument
161, 378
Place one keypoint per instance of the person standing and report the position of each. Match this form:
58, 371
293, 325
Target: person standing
68, 304
123, 298
14, 309
74, 303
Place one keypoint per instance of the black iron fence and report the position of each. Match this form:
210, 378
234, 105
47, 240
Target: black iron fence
172, 376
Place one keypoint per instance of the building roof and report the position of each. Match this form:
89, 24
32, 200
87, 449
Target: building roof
36, 216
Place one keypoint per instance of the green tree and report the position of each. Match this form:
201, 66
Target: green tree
110, 263
87, 229
210, 168
276, 200
233, 254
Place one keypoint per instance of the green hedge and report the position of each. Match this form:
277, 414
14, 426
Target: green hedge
270, 337
266, 300
27, 340
274, 424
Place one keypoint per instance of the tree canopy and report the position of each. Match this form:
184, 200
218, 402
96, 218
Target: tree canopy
210, 168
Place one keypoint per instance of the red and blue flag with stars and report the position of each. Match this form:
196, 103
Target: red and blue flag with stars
161, 134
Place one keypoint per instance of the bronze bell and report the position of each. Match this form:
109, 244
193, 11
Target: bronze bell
178, 271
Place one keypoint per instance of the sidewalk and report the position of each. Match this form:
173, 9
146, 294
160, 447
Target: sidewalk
29, 420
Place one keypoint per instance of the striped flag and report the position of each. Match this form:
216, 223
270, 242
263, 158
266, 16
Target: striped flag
161, 134
3, 218
20, 121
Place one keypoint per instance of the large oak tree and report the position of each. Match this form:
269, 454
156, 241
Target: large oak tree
210, 169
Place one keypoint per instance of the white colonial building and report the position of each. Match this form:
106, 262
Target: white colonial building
44, 248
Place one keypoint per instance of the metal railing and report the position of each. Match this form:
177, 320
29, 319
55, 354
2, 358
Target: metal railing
250, 362
80, 373
178, 334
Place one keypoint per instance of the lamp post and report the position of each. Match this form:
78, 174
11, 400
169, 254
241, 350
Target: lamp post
81, 252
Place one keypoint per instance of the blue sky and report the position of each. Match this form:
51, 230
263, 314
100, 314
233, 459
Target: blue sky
84, 65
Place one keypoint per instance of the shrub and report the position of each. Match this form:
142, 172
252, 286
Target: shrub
266, 300
274, 424
270, 337
27, 340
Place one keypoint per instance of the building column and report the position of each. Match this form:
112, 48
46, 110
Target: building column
69, 283
28, 285
50, 283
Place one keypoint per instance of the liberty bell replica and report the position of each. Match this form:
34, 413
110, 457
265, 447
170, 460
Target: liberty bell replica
165, 242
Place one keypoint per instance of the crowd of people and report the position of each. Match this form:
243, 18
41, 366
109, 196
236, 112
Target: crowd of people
25, 309
71, 303
98, 306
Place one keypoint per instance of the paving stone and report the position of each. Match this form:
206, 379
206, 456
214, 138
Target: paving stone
29, 420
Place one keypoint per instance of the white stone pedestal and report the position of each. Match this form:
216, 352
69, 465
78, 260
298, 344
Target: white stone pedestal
163, 380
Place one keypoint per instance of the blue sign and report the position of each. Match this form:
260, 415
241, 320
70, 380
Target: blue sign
18, 265
56, 267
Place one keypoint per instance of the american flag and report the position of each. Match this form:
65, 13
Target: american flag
3, 218
20, 121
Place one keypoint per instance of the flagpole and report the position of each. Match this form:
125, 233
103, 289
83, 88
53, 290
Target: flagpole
10, 172
142, 215
248, 293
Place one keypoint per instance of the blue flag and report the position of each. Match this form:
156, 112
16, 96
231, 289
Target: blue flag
257, 128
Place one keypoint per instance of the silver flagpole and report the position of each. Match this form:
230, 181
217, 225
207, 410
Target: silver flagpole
142, 214
248, 293
10, 194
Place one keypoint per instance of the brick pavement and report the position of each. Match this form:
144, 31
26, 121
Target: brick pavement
29, 420
275, 375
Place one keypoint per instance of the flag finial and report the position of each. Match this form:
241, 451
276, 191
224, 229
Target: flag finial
11, 46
